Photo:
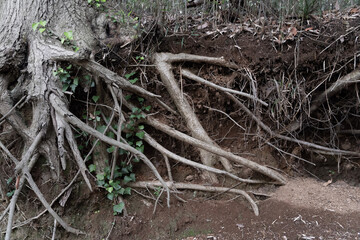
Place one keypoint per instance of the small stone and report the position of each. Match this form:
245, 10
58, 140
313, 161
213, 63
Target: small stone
189, 178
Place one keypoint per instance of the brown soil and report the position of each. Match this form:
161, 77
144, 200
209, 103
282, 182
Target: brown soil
303, 209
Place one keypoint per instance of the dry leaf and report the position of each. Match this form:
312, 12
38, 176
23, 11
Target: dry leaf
327, 183
293, 31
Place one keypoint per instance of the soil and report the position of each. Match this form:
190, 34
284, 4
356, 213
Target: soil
319, 202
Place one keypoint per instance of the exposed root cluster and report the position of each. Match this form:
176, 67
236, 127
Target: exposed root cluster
50, 133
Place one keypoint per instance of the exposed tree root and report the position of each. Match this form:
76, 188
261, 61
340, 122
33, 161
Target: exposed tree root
61, 109
216, 150
178, 158
336, 87
190, 186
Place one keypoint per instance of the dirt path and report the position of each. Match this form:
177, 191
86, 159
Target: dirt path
303, 209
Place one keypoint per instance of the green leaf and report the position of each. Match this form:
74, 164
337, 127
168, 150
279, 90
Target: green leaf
35, 25
111, 135
122, 151
65, 87
136, 160
140, 149
100, 177
140, 135
41, 30
110, 196
101, 183
95, 98
110, 189
117, 186
127, 97
76, 48
139, 143
132, 81
101, 128
9, 194
76, 81
69, 35
147, 108
129, 75
119, 208
122, 191
110, 149
117, 174
92, 167
43, 23
127, 191
132, 176
9, 181
141, 127
124, 170
73, 87
62, 40
140, 99
127, 179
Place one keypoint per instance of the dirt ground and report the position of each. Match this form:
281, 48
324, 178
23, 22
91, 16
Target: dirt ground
303, 209
321, 202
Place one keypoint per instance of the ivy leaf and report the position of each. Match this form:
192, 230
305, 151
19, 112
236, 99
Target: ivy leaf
140, 149
124, 170
41, 30
9, 194
140, 135
69, 35
43, 23
127, 179
110, 189
147, 108
127, 191
73, 87
122, 191
141, 127
101, 128
95, 98
35, 25
119, 208
110, 149
116, 185
9, 181
110, 196
139, 143
111, 135
100, 177
65, 87
117, 174
129, 75
132, 176
132, 81
92, 167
